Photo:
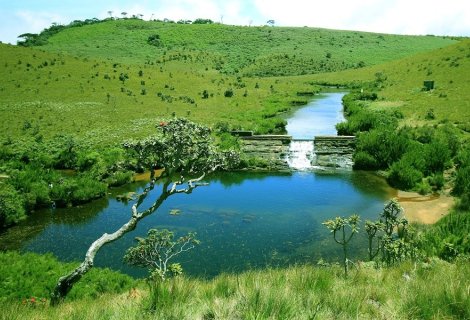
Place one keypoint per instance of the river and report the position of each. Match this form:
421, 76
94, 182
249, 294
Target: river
244, 220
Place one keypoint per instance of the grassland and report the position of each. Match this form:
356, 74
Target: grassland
108, 84
425, 290
103, 83
402, 88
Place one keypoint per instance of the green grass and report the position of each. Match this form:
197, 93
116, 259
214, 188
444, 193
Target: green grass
248, 50
77, 75
56, 93
432, 290
402, 90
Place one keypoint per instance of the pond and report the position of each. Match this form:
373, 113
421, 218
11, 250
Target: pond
244, 220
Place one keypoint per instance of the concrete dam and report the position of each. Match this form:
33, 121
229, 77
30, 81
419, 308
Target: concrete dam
300, 154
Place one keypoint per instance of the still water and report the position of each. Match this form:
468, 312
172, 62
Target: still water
244, 220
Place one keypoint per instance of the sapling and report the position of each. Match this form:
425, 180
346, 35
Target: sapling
372, 229
339, 225
155, 252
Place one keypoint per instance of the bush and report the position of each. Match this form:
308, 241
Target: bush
363, 160
228, 93
77, 190
11, 206
450, 232
437, 156
119, 178
383, 145
462, 181
403, 175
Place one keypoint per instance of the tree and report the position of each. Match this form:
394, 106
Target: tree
124, 14
155, 252
372, 229
340, 224
185, 153
270, 23
110, 13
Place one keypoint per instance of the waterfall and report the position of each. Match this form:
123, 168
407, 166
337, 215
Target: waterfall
300, 155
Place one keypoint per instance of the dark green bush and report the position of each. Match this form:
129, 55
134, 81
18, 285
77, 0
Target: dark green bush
11, 206
384, 145
365, 161
403, 175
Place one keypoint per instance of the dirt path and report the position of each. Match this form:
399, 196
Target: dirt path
424, 209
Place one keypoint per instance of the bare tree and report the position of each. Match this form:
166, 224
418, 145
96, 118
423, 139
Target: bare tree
182, 149
110, 13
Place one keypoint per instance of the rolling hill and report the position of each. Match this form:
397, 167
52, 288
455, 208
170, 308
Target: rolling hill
113, 79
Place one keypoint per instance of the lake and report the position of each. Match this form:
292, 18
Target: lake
244, 220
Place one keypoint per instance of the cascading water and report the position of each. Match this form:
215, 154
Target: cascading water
301, 155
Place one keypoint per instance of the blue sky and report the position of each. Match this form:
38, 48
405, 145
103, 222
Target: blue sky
450, 17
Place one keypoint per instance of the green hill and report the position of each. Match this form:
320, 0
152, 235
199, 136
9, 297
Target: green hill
248, 51
108, 83
402, 85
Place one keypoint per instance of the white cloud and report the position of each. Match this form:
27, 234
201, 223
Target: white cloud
450, 17
390, 16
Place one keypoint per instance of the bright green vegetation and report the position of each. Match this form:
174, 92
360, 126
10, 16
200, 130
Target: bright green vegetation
424, 290
247, 51
67, 105
31, 275
399, 85
108, 83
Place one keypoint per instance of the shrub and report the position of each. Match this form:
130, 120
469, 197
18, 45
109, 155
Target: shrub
11, 206
119, 178
462, 181
403, 175
437, 156
228, 93
363, 160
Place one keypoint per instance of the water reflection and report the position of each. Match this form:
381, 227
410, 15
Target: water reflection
243, 220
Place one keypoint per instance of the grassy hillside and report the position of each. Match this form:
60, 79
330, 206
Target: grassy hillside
402, 85
96, 105
248, 50
108, 83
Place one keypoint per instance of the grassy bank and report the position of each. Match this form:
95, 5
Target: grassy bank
422, 290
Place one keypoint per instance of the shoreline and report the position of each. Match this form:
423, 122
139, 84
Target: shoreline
425, 209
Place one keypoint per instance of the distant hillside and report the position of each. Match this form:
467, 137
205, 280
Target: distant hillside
253, 51
113, 80
401, 85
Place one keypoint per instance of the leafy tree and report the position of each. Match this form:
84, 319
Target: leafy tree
155, 252
339, 225
185, 152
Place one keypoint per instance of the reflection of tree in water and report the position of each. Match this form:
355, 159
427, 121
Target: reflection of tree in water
80, 215
371, 184
15, 237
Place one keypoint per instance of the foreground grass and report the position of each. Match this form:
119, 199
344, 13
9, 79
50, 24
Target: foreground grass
432, 290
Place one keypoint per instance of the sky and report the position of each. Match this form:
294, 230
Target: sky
413, 17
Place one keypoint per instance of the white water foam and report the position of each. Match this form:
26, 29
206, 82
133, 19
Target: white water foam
301, 155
